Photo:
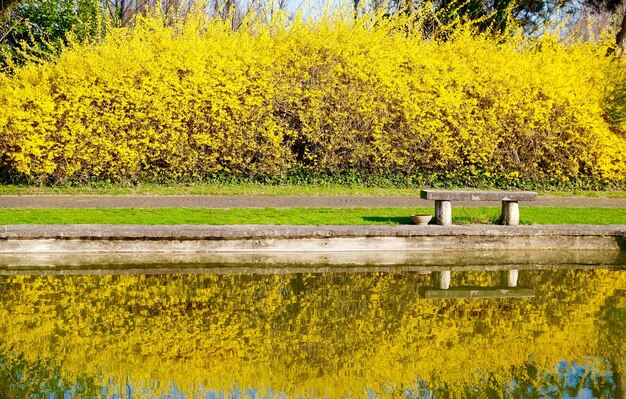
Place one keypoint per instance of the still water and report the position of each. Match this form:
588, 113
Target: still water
556, 333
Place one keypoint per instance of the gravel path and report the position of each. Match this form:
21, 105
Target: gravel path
210, 201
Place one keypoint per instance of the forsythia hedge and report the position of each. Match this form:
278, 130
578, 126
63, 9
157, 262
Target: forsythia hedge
196, 99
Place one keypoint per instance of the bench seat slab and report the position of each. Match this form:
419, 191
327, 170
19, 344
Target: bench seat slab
470, 195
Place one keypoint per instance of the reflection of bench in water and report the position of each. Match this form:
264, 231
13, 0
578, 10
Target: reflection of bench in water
507, 289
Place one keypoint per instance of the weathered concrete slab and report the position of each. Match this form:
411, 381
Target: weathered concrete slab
310, 262
113, 232
470, 195
165, 268
266, 239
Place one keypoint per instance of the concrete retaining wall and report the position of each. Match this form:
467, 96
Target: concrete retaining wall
262, 239
274, 249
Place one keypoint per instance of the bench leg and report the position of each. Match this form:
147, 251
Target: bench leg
441, 280
443, 212
510, 213
508, 278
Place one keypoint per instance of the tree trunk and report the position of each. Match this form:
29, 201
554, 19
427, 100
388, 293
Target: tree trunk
620, 37
622, 382
410, 7
618, 369
6, 6
122, 12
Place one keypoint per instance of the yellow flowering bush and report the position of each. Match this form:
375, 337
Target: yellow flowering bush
196, 99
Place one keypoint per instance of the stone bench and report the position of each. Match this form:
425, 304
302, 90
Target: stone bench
510, 209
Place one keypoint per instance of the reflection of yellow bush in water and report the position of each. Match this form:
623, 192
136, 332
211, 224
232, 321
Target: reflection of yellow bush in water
332, 333
333, 95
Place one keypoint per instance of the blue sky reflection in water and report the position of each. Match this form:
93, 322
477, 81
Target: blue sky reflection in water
369, 335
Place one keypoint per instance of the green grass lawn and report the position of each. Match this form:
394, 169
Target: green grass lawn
302, 216
248, 189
